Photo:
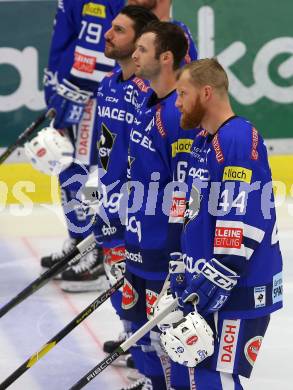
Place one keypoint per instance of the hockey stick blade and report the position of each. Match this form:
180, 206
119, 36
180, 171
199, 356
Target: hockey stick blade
92, 374
85, 246
24, 136
33, 359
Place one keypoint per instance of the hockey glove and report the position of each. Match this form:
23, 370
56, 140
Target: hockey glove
189, 341
177, 274
69, 102
210, 289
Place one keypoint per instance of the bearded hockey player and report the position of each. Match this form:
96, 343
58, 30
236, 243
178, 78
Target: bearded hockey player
120, 95
233, 263
158, 154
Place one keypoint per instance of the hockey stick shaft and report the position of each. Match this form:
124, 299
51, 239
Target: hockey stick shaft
92, 374
23, 137
60, 335
85, 246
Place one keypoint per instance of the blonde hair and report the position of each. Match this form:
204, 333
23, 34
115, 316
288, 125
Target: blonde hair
207, 71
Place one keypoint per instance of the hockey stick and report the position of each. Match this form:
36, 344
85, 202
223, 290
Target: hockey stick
24, 136
60, 335
123, 347
85, 246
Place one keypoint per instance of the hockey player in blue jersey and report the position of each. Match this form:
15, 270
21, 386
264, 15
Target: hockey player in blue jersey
119, 96
76, 66
158, 150
233, 263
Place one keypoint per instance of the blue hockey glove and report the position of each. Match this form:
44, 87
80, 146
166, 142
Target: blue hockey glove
69, 102
177, 274
209, 290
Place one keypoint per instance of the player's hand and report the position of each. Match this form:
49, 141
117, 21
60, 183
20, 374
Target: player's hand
69, 102
209, 290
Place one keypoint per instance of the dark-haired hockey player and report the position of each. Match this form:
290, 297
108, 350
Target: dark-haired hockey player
119, 97
158, 154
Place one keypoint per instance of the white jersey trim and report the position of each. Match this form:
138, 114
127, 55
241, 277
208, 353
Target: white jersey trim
97, 75
227, 381
93, 74
228, 346
248, 231
99, 56
85, 130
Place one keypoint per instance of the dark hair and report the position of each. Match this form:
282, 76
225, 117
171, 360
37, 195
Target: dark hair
140, 17
169, 37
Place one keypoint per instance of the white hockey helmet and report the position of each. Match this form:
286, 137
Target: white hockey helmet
50, 152
190, 341
171, 318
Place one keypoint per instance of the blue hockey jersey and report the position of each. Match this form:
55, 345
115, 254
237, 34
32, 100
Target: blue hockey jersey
231, 216
77, 45
158, 154
118, 101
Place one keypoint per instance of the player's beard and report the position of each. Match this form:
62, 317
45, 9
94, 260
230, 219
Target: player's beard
149, 4
148, 72
193, 119
117, 53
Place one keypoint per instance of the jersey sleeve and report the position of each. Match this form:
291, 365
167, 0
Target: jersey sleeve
90, 64
65, 32
243, 216
177, 153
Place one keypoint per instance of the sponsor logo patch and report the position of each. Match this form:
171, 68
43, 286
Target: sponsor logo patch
178, 206
277, 288
114, 255
129, 296
84, 131
84, 63
228, 237
254, 152
181, 146
192, 340
179, 350
228, 344
232, 173
98, 10
217, 149
259, 296
41, 152
141, 84
252, 348
136, 257
151, 299
105, 145
159, 122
